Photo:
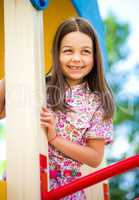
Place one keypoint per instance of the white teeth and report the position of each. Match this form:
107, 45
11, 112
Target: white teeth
75, 67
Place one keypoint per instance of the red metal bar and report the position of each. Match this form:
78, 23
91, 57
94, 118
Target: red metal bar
93, 178
106, 191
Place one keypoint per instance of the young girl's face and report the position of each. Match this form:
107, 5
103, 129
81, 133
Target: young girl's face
76, 56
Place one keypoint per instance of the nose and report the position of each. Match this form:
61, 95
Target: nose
76, 57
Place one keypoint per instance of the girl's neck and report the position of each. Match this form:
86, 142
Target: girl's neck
74, 83
72, 86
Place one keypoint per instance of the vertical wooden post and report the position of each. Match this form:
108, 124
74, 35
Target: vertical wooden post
96, 191
25, 94
1, 39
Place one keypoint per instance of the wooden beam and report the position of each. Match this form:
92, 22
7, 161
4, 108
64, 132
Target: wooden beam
25, 94
95, 191
1, 39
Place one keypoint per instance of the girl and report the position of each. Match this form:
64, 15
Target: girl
78, 117
80, 107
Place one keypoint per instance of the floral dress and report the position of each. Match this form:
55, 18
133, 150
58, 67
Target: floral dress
83, 122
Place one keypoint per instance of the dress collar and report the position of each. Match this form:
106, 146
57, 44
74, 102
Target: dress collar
77, 87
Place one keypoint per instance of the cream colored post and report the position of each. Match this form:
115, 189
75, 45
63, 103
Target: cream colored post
25, 94
94, 192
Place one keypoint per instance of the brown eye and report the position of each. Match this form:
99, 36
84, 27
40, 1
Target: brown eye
67, 51
86, 51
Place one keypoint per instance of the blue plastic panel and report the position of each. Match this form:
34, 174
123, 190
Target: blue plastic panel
40, 4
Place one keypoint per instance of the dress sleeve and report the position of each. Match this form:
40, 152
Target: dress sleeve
100, 128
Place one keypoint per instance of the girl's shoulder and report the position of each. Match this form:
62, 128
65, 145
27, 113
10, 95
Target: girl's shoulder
93, 96
94, 101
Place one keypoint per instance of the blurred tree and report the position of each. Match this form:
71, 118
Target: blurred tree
2, 167
2, 131
127, 107
2, 139
116, 37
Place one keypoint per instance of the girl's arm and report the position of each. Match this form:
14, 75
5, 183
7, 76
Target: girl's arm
91, 154
2, 99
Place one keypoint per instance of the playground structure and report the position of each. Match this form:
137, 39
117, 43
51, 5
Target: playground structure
25, 30
96, 177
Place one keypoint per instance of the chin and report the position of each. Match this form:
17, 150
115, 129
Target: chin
76, 78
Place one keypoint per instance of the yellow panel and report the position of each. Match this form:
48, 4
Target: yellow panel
56, 12
3, 190
1, 40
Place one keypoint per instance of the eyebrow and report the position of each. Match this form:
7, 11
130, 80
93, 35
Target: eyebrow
84, 47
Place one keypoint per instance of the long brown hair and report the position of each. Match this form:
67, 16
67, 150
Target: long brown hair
95, 78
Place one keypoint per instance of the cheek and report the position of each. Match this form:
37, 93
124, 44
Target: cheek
90, 62
64, 60
60, 59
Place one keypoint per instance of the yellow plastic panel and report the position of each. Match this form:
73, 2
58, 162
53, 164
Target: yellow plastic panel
3, 190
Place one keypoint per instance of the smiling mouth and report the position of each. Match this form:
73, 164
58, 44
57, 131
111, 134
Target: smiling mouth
75, 67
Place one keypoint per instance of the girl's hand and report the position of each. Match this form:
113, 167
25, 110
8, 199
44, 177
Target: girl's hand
48, 122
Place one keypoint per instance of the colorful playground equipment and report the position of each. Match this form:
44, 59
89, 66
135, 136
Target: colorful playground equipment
28, 32
94, 178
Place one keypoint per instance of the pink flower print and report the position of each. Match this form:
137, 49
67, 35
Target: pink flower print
69, 128
67, 163
63, 117
76, 133
80, 121
61, 124
69, 100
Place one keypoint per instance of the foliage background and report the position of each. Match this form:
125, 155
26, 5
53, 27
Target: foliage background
126, 117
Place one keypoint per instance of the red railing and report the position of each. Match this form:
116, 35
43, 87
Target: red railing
93, 178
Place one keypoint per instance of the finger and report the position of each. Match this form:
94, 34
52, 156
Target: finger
44, 125
46, 119
43, 114
45, 111
45, 108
